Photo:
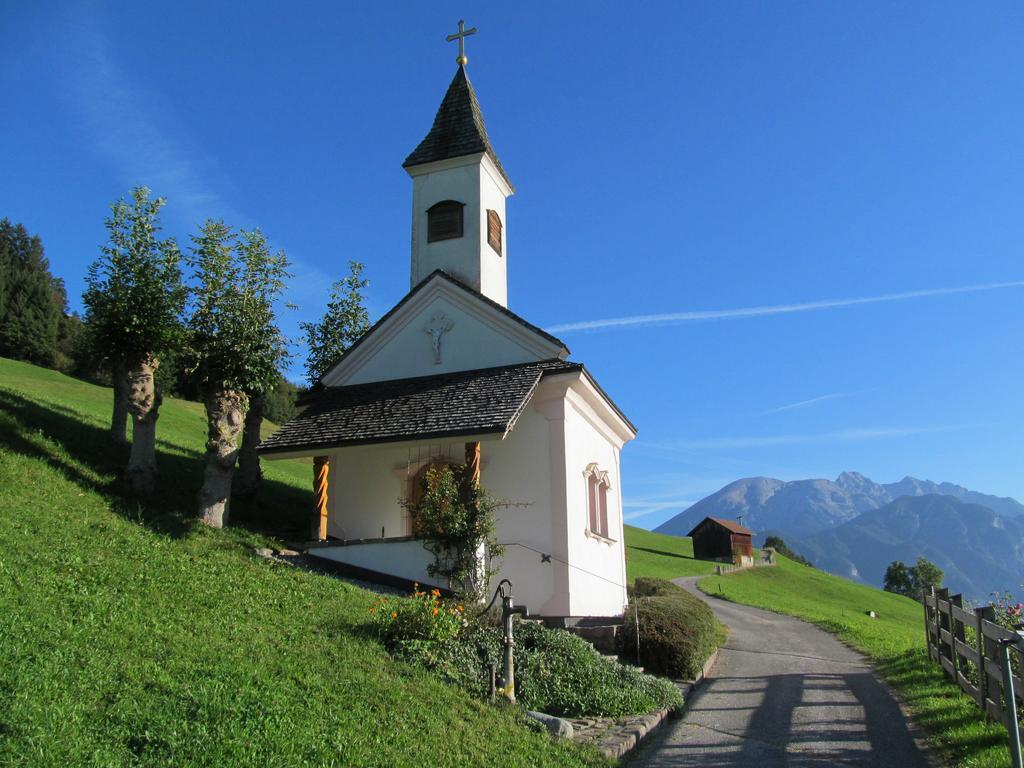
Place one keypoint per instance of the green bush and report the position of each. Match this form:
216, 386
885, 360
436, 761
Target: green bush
556, 672
678, 631
645, 586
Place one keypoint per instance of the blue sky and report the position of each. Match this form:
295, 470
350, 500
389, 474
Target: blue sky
809, 213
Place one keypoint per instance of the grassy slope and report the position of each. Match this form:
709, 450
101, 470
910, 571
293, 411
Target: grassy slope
661, 556
894, 642
128, 636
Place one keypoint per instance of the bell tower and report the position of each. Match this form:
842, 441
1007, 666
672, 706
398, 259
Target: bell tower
458, 194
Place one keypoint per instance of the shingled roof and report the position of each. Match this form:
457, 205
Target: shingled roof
458, 128
730, 525
461, 403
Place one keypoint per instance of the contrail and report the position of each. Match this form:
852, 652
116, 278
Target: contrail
775, 309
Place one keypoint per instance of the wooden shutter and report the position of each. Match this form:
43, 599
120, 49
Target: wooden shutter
444, 221
494, 231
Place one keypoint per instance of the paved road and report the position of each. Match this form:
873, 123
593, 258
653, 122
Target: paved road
785, 693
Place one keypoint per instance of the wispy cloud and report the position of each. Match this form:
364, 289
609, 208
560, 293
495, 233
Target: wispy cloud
128, 126
636, 321
811, 401
842, 435
634, 509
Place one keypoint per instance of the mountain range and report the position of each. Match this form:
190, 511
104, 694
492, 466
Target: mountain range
855, 527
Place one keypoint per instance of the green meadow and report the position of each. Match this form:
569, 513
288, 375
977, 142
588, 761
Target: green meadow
131, 636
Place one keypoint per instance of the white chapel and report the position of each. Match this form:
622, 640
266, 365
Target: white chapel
451, 375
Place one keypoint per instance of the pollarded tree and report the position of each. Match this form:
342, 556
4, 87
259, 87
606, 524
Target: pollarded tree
134, 297
345, 320
234, 342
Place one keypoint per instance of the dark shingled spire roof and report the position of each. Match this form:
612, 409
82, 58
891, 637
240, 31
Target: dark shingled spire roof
458, 128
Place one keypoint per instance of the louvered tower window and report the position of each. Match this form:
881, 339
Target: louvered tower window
444, 220
494, 231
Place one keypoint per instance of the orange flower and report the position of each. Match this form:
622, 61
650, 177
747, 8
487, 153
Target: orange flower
461, 609
435, 592
435, 611
373, 609
394, 614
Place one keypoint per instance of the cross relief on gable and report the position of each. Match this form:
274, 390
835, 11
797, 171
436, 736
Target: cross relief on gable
438, 326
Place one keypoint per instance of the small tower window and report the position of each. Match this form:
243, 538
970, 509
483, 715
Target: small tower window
444, 220
494, 231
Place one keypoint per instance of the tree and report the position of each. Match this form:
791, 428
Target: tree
327, 341
31, 300
234, 343
780, 546
898, 579
925, 575
345, 320
276, 404
134, 297
912, 581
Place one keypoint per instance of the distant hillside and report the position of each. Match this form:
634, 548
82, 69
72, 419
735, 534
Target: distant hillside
979, 550
806, 507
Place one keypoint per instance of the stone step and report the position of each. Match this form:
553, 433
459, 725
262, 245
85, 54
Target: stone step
602, 637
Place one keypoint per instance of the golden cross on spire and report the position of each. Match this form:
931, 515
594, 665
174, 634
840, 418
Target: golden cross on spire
461, 36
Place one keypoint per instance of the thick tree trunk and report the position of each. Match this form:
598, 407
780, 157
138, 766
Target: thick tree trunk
225, 415
144, 406
119, 419
247, 479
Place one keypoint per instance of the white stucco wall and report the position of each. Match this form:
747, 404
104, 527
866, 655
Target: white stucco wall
474, 181
597, 580
404, 559
539, 470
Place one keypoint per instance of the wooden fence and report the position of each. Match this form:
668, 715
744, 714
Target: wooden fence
966, 643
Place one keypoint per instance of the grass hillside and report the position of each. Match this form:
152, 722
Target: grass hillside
894, 642
660, 556
130, 636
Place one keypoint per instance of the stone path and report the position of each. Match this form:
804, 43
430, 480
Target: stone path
785, 693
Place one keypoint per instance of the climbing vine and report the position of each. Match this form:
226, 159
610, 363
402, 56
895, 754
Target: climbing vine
455, 518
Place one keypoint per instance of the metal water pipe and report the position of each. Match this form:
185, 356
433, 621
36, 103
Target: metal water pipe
1009, 696
509, 609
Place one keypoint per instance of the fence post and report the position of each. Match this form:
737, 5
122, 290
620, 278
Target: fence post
927, 623
987, 613
956, 631
940, 595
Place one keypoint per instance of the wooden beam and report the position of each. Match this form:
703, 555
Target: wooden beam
473, 462
318, 523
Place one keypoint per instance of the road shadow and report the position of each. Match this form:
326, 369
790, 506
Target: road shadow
88, 458
793, 720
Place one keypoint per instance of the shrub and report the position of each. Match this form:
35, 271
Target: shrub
646, 586
678, 631
422, 617
556, 672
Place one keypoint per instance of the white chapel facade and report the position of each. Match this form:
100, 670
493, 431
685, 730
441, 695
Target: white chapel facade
451, 375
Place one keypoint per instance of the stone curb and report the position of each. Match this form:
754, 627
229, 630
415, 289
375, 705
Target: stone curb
621, 736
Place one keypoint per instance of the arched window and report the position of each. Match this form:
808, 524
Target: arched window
597, 500
494, 231
444, 220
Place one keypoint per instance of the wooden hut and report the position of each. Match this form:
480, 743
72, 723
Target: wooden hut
727, 540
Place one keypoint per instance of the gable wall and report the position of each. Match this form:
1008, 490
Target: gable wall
471, 343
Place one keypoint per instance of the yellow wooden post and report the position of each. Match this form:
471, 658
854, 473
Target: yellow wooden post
321, 468
473, 462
